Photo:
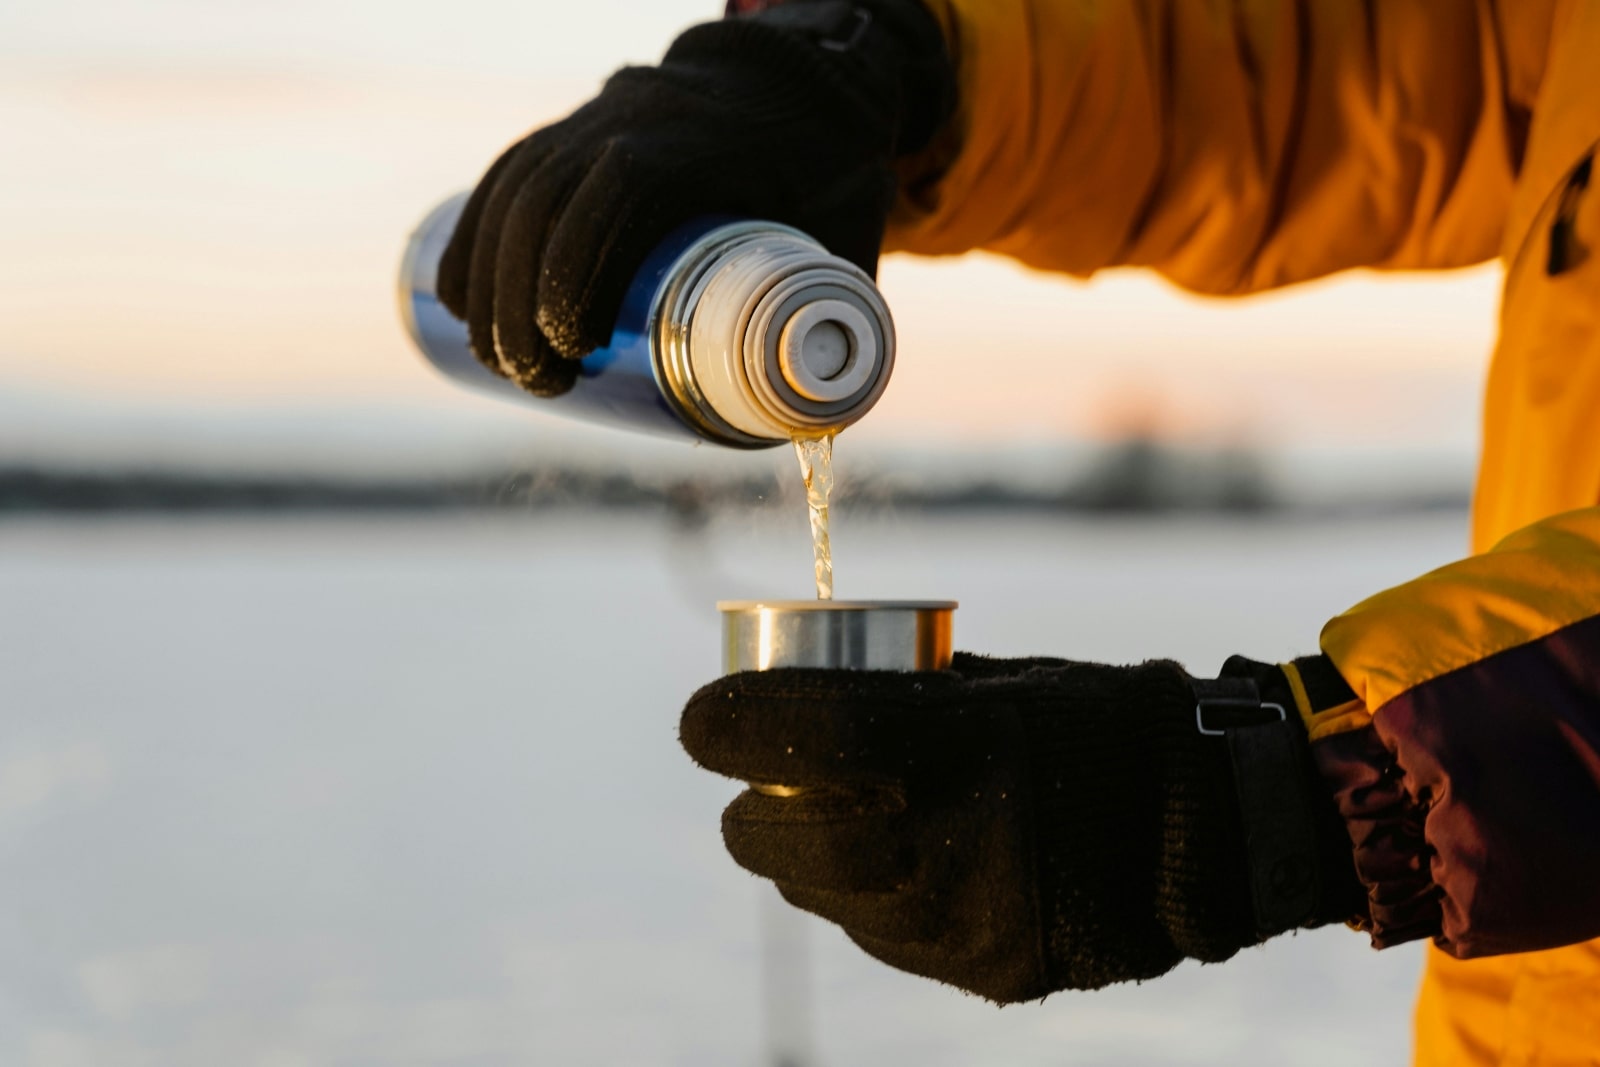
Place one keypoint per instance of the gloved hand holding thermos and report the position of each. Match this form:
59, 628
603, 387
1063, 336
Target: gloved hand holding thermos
794, 116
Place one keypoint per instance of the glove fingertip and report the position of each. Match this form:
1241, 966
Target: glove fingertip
546, 376
454, 278
603, 239
579, 302
710, 717
451, 280
761, 724
700, 723
574, 331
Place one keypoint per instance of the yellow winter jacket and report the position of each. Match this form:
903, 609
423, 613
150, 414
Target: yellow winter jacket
1238, 146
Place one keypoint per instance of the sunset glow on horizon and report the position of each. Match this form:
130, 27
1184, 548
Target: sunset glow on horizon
208, 207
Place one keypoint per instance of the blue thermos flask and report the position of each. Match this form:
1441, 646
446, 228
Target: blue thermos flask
747, 334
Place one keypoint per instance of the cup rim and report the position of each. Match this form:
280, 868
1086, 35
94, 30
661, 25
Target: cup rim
732, 607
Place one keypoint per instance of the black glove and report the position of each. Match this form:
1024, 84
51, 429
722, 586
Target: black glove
1011, 827
792, 115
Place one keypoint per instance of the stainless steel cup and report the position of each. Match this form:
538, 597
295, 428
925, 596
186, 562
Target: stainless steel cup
870, 635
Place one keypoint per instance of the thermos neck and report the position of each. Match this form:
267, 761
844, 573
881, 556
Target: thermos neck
761, 335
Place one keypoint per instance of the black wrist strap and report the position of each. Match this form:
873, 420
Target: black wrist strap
1269, 777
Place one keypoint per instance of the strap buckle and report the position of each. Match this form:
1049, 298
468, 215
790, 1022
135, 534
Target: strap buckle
1242, 703
1273, 795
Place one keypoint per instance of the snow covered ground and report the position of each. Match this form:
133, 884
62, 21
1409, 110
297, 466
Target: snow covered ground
407, 791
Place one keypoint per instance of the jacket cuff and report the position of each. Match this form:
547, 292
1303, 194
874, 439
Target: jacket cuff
1384, 824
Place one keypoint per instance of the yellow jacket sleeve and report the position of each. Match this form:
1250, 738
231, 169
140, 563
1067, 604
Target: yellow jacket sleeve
1232, 145
1535, 583
1467, 768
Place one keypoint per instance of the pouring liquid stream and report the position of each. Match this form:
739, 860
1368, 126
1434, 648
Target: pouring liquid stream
816, 465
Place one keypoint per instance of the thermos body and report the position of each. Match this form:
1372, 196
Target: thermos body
743, 333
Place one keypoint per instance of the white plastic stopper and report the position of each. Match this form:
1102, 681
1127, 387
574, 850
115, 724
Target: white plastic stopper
827, 351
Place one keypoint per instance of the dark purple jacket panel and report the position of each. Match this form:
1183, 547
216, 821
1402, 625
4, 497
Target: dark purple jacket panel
1473, 801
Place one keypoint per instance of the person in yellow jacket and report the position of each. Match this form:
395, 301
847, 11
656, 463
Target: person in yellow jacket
1018, 827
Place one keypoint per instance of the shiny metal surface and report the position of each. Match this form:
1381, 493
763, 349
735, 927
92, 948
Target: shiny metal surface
695, 351
616, 385
879, 635
681, 289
